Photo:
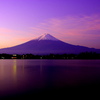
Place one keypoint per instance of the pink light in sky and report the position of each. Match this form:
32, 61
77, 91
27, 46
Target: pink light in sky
73, 21
75, 30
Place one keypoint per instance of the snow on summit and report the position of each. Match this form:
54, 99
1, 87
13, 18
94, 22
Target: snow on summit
46, 37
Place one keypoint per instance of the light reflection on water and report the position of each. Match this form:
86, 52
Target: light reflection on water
24, 75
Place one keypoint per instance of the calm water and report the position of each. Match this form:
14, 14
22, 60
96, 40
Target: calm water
32, 76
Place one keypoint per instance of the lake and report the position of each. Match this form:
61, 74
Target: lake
31, 78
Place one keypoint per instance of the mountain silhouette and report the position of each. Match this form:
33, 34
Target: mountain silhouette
47, 44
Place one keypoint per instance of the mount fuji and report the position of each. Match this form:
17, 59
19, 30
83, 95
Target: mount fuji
47, 44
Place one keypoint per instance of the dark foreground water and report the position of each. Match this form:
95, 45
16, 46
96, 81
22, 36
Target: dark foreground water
48, 78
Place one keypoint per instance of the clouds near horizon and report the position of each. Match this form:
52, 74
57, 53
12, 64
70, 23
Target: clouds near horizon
73, 21
77, 30
73, 29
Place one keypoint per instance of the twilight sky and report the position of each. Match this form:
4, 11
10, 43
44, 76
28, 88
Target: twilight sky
73, 21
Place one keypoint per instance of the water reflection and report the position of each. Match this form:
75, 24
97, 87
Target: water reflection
1, 70
24, 75
15, 70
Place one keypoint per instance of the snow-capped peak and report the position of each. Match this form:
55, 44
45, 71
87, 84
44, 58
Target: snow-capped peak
46, 37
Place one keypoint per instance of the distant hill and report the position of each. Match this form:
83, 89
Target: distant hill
47, 44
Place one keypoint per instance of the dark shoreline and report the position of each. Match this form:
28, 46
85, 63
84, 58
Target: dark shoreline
84, 55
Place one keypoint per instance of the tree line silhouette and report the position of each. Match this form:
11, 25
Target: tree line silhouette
83, 55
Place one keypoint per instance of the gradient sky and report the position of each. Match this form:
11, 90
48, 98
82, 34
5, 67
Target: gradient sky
73, 21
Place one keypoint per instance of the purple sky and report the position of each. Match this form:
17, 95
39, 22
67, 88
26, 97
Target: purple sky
73, 21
